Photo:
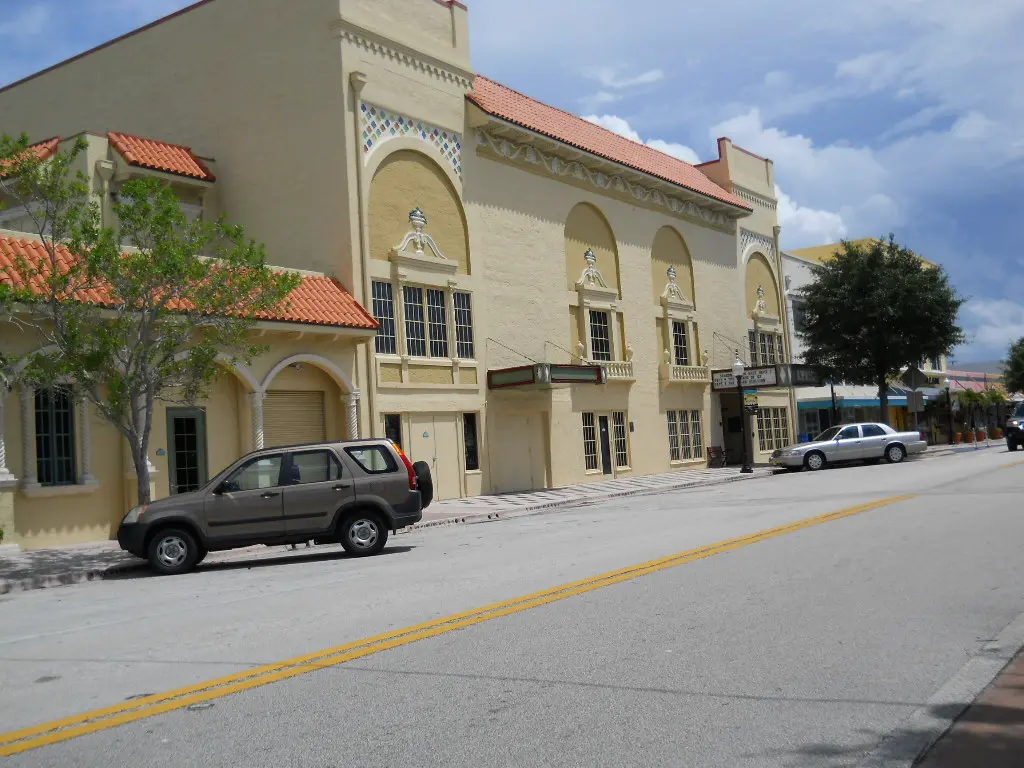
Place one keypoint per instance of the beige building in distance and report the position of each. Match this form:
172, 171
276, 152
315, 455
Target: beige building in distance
549, 300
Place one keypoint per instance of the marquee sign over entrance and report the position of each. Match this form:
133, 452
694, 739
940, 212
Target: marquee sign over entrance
767, 376
764, 376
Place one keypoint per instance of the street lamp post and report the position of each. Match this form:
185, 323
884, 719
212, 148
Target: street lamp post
949, 405
835, 414
737, 371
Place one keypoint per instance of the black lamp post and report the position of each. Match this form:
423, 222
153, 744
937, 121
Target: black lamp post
737, 371
949, 404
835, 414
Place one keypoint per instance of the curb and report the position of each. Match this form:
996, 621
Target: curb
534, 509
924, 728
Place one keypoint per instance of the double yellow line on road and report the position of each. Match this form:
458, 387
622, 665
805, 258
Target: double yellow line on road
68, 728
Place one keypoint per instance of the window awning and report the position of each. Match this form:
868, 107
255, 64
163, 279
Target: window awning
544, 376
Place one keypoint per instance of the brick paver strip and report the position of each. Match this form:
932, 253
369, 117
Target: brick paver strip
990, 734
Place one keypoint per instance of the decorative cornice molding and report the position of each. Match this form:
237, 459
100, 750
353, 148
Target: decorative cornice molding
753, 197
764, 243
556, 166
395, 51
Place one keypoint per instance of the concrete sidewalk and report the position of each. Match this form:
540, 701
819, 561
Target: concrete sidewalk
42, 568
990, 734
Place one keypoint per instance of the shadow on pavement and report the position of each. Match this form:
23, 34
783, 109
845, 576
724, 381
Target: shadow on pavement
985, 736
58, 563
141, 571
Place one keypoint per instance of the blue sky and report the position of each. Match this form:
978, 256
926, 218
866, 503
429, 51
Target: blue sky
880, 115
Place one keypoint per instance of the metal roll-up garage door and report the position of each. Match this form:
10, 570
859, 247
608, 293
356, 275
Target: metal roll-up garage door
290, 418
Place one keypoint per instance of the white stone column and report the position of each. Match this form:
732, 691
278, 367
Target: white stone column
6, 477
256, 403
85, 442
352, 414
29, 472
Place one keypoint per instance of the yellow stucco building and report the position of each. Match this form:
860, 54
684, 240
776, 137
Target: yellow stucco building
549, 300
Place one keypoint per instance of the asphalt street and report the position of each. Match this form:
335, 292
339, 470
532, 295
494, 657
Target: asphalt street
808, 647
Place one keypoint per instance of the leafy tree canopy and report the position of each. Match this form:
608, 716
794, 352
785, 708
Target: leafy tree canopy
130, 315
1013, 367
874, 309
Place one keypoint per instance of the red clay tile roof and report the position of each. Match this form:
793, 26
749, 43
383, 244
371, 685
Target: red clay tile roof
502, 102
160, 156
42, 150
317, 301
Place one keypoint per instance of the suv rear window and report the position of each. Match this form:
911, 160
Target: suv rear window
374, 459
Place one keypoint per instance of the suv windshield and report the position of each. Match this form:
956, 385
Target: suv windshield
828, 434
1019, 413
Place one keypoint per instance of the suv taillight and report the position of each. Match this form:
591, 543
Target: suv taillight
408, 466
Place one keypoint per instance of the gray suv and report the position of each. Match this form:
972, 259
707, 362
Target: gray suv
350, 492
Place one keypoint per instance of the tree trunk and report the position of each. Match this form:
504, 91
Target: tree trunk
883, 399
141, 473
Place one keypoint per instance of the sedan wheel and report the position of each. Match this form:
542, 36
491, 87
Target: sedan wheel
894, 454
814, 461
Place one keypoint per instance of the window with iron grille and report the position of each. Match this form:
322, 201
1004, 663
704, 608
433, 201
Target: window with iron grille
697, 434
55, 436
621, 441
589, 441
765, 358
600, 336
674, 451
415, 330
463, 325
469, 436
679, 345
437, 323
752, 341
384, 312
685, 438
772, 429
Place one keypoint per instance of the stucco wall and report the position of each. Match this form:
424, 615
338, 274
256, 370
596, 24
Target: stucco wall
409, 179
517, 235
256, 84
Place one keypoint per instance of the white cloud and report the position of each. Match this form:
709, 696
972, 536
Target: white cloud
680, 151
992, 324
803, 226
618, 125
615, 124
609, 77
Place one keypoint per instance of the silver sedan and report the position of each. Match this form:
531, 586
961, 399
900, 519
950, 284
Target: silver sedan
850, 442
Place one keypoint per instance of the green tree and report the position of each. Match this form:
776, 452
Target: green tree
134, 325
875, 309
1013, 367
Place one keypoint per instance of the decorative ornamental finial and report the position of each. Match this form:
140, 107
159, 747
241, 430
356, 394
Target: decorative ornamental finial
762, 305
671, 274
590, 258
418, 221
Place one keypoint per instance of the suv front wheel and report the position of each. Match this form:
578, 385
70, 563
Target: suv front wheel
363, 534
172, 551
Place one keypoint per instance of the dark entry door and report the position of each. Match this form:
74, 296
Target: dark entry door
186, 449
606, 446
